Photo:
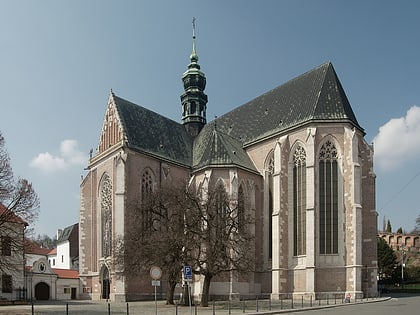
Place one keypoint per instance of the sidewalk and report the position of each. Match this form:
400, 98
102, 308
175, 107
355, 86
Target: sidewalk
77, 307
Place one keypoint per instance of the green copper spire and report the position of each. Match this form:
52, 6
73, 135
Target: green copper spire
194, 100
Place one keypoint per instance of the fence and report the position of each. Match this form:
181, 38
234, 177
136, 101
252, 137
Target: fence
215, 308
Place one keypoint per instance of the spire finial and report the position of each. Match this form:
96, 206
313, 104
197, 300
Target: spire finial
193, 56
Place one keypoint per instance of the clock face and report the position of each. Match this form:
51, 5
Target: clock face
42, 267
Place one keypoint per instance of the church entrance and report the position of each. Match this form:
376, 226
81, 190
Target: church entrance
105, 283
42, 291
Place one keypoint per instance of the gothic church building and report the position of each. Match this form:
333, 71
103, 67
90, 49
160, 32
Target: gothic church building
298, 155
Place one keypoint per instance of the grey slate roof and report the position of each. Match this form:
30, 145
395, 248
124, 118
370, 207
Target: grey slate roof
154, 134
315, 96
214, 148
67, 233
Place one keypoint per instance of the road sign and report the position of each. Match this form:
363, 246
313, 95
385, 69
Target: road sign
188, 272
155, 273
156, 283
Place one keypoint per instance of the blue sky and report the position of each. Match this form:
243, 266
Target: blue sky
59, 60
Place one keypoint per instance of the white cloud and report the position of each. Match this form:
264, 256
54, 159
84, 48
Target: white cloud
69, 156
398, 141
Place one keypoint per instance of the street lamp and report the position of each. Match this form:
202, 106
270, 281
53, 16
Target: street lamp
402, 267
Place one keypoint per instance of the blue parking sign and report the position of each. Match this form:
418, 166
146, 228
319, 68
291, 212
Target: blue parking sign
188, 272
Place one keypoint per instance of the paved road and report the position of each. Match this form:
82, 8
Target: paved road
396, 305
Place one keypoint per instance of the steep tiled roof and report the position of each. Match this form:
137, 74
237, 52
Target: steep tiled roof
7, 215
66, 273
32, 247
215, 148
315, 96
66, 233
154, 134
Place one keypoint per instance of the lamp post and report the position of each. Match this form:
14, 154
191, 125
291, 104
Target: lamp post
402, 267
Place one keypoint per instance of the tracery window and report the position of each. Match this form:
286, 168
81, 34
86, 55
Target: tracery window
146, 190
328, 199
221, 199
299, 201
106, 213
241, 207
270, 171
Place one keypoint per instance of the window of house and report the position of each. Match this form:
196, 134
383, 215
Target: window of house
328, 199
62, 258
299, 201
6, 246
67, 291
6, 283
53, 261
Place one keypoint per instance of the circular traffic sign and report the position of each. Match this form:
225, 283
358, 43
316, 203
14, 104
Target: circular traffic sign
155, 272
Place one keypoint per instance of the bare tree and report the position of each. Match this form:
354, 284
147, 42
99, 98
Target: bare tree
155, 236
221, 231
19, 205
176, 226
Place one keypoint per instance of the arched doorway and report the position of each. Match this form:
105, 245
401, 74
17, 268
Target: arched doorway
42, 291
105, 283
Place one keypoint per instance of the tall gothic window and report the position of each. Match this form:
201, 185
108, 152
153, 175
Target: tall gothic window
328, 199
221, 199
146, 190
270, 205
106, 215
299, 201
241, 208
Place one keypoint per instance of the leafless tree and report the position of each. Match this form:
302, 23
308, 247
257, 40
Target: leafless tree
176, 226
155, 236
19, 206
221, 229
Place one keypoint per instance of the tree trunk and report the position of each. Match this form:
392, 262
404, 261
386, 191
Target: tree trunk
171, 292
206, 290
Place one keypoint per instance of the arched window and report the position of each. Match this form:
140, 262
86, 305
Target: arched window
221, 199
328, 199
299, 201
146, 190
270, 172
106, 214
241, 208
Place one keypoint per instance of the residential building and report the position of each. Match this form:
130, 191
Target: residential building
12, 258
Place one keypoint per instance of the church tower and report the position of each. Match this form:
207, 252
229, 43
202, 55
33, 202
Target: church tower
194, 100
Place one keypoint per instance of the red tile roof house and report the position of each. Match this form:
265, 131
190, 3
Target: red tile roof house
47, 283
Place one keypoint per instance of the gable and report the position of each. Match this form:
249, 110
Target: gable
112, 131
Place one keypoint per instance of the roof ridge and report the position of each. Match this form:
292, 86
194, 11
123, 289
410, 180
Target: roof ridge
328, 65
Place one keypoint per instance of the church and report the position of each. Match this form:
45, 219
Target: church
298, 155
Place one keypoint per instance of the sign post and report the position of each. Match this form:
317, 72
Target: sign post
155, 273
188, 277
